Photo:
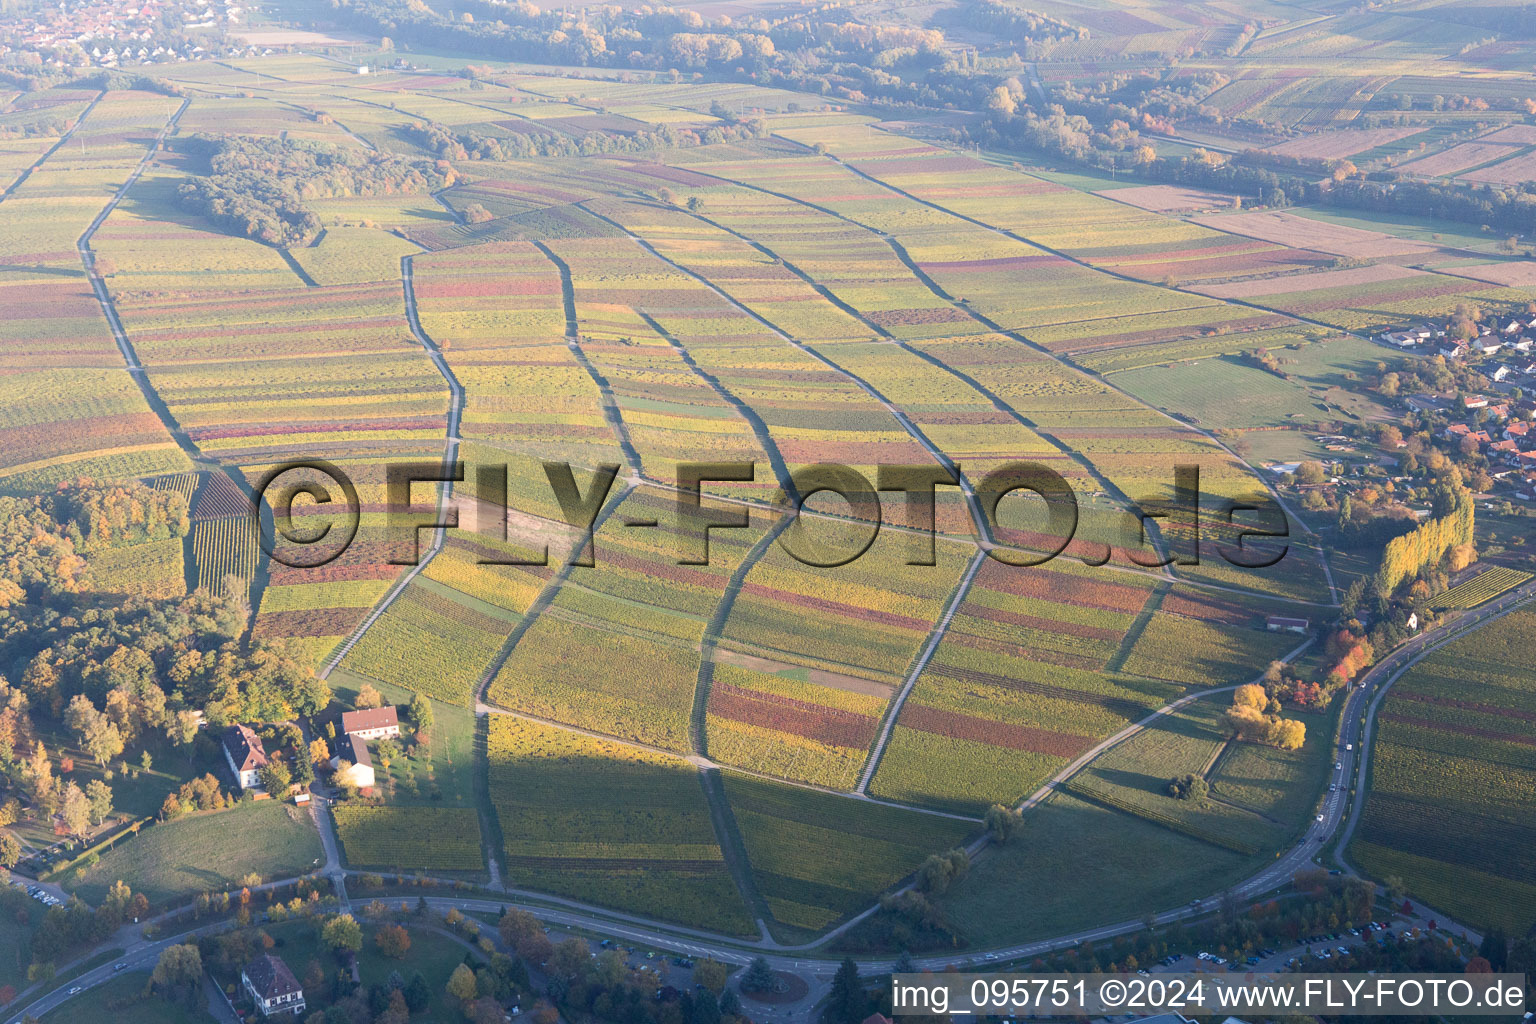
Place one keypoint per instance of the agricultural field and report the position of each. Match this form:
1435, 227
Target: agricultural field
409, 838
1482, 588
205, 852
621, 275
609, 824
1452, 779
817, 857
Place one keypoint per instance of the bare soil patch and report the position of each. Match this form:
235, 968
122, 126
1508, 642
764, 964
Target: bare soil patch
1457, 158
1305, 233
1340, 144
1373, 274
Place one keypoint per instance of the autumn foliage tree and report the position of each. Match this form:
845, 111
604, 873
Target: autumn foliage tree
393, 941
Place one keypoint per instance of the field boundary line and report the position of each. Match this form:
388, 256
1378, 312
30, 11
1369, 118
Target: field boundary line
444, 489
1328, 575
935, 637
21, 179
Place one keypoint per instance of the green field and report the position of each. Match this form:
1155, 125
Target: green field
817, 857
1221, 393
122, 998
205, 852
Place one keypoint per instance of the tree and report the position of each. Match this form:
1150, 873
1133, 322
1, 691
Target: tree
99, 794
393, 941
941, 869
275, 777
570, 960
319, 753
368, 697
1001, 101
1495, 948
10, 850
1311, 472
418, 994
177, 966
759, 977
1190, 787
1002, 823
181, 729
695, 204
461, 984
342, 932
846, 1001
387, 753
711, 974
75, 810
421, 712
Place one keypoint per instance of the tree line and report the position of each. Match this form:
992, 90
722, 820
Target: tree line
258, 187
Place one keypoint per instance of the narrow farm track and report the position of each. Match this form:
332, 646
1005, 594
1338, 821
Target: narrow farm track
996, 400
562, 912
732, 849
445, 489
140, 376
759, 428
1328, 574
109, 309
983, 530
611, 411
21, 178
935, 636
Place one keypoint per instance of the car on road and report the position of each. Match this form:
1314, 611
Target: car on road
75, 990
1319, 817
1338, 766
120, 967
1333, 787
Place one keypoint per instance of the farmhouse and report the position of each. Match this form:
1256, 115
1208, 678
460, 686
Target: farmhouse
371, 723
244, 752
355, 751
272, 986
1475, 402
1281, 624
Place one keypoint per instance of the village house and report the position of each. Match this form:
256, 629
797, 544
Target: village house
371, 723
1475, 402
272, 986
244, 752
354, 751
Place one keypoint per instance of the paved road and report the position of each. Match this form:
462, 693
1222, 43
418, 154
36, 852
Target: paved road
1337, 812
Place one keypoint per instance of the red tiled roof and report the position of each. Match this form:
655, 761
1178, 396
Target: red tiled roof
369, 718
244, 748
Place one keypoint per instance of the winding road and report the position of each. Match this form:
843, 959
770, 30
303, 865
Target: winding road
1340, 812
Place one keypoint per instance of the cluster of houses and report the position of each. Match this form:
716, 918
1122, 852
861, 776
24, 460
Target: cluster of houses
246, 756
1509, 444
123, 33
1513, 341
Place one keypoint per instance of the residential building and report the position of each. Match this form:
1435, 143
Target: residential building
371, 723
354, 751
272, 986
245, 755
